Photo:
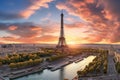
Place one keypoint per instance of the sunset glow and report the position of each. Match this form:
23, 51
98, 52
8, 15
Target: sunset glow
38, 21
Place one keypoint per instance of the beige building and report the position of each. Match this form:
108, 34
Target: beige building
117, 56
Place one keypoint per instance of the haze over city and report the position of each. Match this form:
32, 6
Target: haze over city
59, 40
38, 21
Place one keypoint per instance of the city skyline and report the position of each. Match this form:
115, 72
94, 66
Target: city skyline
38, 21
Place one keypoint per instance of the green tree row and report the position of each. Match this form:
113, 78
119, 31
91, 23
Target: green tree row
118, 67
56, 57
96, 67
25, 63
78, 51
15, 58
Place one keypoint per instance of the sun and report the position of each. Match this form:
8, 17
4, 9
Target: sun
72, 42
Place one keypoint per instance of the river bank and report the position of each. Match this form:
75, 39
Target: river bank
2, 78
55, 66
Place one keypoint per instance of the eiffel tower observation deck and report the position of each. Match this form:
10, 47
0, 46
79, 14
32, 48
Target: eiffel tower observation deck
62, 42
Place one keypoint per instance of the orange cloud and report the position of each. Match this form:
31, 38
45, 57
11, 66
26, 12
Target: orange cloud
89, 1
47, 38
36, 28
36, 4
42, 39
93, 15
12, 27
30, 33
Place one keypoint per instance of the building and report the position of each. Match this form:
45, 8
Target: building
117, 55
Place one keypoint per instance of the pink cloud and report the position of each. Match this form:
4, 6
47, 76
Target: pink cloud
42, 39
13, 27
36, 28
101, 16
36, 4
30, 33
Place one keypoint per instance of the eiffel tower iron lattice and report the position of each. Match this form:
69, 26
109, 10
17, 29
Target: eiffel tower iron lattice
62, 42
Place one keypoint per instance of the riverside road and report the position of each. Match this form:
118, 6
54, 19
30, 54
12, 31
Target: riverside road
111, 70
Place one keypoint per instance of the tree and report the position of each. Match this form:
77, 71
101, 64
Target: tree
30, 62
0, 63
37, 61
12, 65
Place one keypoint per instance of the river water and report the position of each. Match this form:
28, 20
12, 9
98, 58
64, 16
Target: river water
69, 71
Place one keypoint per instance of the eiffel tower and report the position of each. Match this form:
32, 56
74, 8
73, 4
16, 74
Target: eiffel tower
62, 46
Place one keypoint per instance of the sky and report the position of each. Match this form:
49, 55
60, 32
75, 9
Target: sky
38, 21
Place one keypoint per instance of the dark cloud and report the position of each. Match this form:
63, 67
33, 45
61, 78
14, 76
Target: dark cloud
26, 29
75, 25
111, 7
3, 26
9, 16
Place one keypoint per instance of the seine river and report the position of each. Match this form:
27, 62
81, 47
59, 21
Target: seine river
69, 71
